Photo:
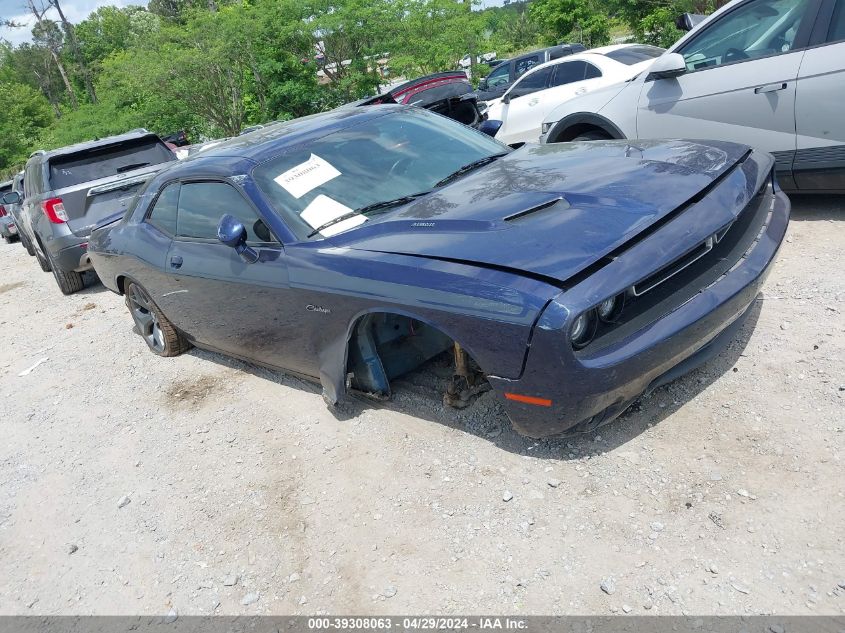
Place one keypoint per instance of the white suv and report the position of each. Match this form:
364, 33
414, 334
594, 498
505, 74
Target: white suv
767, 73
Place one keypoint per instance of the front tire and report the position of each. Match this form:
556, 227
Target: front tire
158, 332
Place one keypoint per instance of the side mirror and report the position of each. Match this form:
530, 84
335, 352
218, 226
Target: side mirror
490, 127
506, 98
688, 21
11, 197
667, 66
232, 233
482, 85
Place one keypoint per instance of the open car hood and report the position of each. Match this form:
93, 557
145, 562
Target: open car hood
550, 210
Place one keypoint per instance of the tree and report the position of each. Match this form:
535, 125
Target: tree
433, 35
47, 34
70, 37
24, 115
574, 20
33, 65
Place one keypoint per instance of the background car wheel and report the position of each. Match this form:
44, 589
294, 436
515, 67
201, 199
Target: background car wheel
42, 261
69, 282
25, 243
7, 239
592, 135
159, 333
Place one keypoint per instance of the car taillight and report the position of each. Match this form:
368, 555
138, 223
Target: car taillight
54, 209
2, 211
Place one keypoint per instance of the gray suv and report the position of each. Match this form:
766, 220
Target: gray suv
68, 191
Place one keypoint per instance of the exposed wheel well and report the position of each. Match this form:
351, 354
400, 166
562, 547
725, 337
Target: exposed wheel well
121, 284
576, 130
383, 346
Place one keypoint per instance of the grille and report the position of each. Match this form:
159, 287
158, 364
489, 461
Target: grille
678, 282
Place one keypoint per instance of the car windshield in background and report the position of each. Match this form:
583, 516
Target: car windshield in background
101, 162
380, 160
631, 55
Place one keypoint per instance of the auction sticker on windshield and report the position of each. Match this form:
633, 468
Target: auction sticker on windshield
299, 180
323, 210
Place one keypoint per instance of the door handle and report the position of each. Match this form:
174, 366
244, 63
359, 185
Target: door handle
176, 262
769, 88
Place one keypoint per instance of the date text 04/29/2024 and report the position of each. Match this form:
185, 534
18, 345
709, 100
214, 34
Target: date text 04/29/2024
421, 623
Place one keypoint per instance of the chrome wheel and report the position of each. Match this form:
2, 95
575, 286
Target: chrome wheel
146, 319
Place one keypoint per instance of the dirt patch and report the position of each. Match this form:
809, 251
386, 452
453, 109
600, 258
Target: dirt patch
721, 493
8, 287
191, 392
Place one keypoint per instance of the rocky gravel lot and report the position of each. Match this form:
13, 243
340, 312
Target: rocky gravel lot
136, 484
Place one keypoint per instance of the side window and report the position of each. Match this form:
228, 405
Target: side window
202, 204
759, 28
567, 72
499, 76
29, 186
524, 64
591, 72
538, 80
163, 214
836, 32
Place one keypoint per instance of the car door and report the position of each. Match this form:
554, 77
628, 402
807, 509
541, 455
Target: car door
222, 302
740, 80
571, 79
820, 157
519, 107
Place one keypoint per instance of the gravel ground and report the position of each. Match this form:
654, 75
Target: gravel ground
135, 484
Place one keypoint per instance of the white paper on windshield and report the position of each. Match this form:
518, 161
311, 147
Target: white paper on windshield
323, 209
299, 180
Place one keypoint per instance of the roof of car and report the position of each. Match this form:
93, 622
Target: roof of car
84, 145
593, 54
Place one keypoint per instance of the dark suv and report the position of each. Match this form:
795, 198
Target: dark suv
69, 190
503, 75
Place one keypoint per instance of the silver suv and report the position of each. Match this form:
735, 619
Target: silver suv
68, 191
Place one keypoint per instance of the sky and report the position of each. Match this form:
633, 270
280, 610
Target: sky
75, 11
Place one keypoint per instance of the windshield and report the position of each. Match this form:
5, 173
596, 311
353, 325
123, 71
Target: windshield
400, 154
756, 29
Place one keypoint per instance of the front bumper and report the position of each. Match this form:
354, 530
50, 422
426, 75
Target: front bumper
579, 393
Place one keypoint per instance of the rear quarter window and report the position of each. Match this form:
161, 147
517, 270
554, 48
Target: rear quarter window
109, 160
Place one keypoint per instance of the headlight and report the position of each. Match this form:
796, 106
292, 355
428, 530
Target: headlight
610, 308
583, 329
544, 129
606, 308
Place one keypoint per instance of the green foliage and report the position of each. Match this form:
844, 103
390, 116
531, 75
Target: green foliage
212, 67
658, 27
433, 35
573, 20
24, 115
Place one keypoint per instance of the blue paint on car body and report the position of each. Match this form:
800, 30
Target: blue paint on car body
502, 259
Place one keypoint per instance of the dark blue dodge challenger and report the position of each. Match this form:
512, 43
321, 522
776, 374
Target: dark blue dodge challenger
354, 246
